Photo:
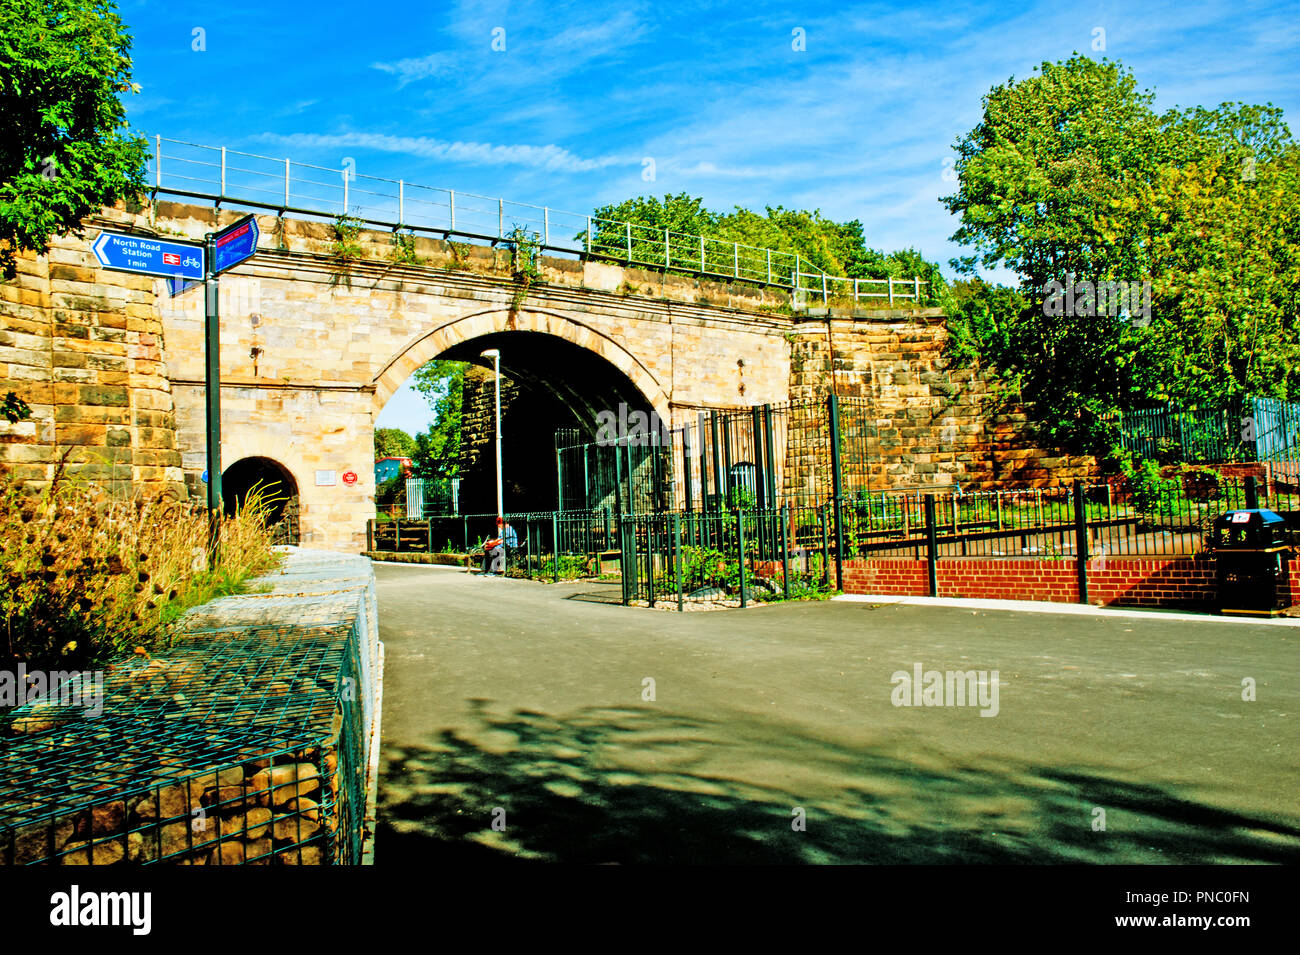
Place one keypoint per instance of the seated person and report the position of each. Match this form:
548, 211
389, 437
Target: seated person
494, 550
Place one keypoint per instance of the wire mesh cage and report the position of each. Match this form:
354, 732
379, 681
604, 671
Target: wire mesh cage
239, 746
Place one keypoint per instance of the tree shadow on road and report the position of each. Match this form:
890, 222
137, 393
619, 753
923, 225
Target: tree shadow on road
637, 785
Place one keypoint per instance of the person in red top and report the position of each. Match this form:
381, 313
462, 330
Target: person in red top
494, 551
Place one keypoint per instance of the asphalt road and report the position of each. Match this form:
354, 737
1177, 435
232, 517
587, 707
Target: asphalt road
518, 724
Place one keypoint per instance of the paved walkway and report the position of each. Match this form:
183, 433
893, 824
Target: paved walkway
525, 703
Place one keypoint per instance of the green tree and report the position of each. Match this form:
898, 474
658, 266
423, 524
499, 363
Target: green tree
1071, 177
1038, 180
836, 248
981, 320
393, 443
1225, 265
65, 151
648, 217
442, 383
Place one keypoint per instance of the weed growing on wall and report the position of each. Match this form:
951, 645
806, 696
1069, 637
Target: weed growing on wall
345, 247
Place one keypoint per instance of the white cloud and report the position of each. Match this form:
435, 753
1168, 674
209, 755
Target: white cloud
418, 68
550, 157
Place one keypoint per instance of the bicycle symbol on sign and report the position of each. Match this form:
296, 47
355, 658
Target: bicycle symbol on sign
191, 261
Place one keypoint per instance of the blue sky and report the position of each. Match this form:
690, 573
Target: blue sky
860, 123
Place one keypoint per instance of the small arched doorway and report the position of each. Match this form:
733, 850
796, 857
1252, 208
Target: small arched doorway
278, 489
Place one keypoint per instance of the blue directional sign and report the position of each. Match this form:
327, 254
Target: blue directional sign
177, 286
235, 243
144, 255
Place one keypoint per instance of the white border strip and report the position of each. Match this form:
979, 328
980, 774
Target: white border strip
1066, 609
372, 790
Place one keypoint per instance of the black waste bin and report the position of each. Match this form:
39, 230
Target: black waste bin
1251, 549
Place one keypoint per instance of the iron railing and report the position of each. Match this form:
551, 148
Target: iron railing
739, 555
759, 457
284, 186
732, 558
548, 543
1173, 520
1255, 429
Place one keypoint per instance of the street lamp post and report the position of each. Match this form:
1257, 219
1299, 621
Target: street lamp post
495, 355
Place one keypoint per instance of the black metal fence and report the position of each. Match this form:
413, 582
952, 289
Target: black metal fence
771, 500
1171, 519
739, 556
548, 543
1168, 522
631, 474
761, 457
732, 557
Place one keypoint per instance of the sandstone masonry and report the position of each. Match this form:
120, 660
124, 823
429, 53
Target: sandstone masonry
314, 345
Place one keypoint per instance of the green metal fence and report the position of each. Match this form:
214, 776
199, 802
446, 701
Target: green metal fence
1256, 429
548, 543
759, 457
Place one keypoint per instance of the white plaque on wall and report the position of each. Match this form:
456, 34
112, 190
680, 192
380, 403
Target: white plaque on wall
326, 478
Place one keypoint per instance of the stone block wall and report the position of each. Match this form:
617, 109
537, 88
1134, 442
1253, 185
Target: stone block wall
84, 348
478, 419
931, 424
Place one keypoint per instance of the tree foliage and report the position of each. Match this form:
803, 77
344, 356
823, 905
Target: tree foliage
65, 151
1071, 176
393, 443
837, 248
437, 451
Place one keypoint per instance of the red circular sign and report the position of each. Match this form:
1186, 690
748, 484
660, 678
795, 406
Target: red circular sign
349, 478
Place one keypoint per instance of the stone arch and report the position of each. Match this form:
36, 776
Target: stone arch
238, 444
270, 474
429, 345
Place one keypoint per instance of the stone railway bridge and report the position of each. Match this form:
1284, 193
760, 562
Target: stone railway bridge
314, 345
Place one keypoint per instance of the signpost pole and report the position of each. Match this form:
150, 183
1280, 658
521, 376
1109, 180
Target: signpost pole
212, 380
181, 261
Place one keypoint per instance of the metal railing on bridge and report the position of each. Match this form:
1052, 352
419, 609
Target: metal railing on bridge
281, 185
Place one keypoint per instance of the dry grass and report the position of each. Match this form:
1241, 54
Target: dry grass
85, 577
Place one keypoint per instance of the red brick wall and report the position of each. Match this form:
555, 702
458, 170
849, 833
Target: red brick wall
1172, 582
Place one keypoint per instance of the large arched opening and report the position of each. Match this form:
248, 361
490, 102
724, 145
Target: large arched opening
277, 489
548, 386
557, 376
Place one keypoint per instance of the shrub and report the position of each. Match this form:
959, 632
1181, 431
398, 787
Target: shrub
13, 409
1150, 490
572, 567
87, 576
